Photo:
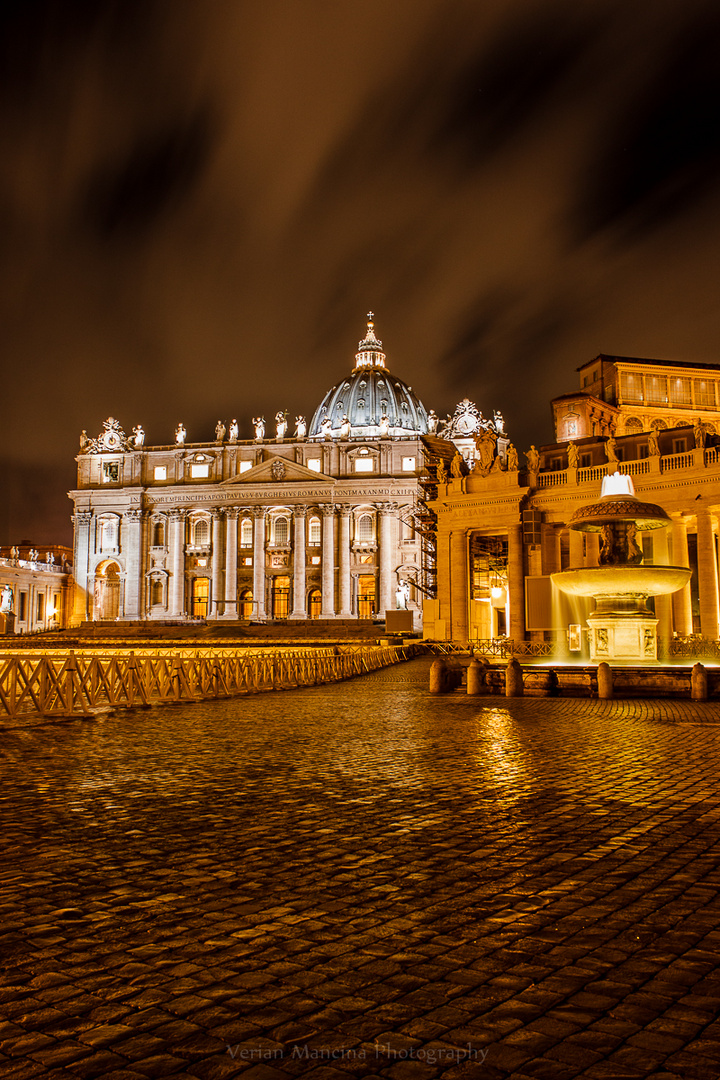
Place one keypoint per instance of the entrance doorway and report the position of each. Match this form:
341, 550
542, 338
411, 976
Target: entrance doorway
315, 603
281, 597
200, 597
107, 591
246, 604
366, 596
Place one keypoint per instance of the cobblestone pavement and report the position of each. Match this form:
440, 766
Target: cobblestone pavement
363, 880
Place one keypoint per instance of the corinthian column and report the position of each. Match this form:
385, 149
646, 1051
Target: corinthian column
388, 552
459, 592
298, 611
707, 575
663, 604
681, 600
81, 521
516, 583
216, 598
231, 520
327, 610
344, 560
258, 513
177, 563
132, 550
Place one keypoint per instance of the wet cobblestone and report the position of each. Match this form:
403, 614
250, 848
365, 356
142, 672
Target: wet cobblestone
363, 880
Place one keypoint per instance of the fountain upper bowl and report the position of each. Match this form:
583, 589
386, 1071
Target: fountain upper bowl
622, 580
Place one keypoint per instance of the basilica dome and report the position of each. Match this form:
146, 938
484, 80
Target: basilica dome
370, 402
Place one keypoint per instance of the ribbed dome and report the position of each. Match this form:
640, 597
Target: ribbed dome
368, 394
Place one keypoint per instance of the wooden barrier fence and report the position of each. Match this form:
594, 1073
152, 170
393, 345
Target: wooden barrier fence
75, 683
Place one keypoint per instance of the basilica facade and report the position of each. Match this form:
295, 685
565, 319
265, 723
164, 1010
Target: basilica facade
318, 523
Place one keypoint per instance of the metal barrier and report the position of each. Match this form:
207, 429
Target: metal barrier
75, 684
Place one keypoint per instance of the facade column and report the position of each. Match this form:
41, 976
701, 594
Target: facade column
132, 550
707, 575
328, 561
386, 514
576, 549
663, 604
231, 520
177, 564
81, 562
681, 600
550, 547
217, 566
459, 591
299, 610
344, 560
516, 583
258, 513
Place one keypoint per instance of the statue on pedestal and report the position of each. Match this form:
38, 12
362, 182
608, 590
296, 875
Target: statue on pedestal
300, 427
219, 431
433, 421
139, 435
180, 434
572, 455
259, 425
533, 460
402, 595
280, 424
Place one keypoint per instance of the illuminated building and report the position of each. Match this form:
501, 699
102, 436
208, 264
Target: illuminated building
40, 589
318, 524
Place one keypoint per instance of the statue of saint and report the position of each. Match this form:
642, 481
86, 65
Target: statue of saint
345, 428
280, 424
499, 422
572, 455
442, 473
326, 427
700, 433
84, 441
180, 434
139, 435
456, 468
512, 458
259, 425
300, 427
6, 601
384, 425
402, 595
533, 460
433, 421
219, 431
610, 452
653, 443
234, 430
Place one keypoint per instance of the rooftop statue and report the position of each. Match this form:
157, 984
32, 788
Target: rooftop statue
139, 435
300, 427
219, 431
180, 434
259, 425
234, 430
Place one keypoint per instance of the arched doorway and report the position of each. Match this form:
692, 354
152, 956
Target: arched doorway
366, 596
280, 597
200, 597
246, 604
107, 591
315, 603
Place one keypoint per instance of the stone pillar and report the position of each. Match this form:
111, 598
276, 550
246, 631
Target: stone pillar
258, 513
177, 564
459, 594
576, 549
707, 575
663, 604
327, 610
681, 600
387, 553
550, 549
81, 522
132, 550
299, 610
344, 560
516, 583
231, 520
217, 566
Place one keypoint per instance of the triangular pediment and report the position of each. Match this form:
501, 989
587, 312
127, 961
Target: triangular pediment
278, 470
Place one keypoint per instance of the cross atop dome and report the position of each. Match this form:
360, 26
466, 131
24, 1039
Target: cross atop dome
370, 352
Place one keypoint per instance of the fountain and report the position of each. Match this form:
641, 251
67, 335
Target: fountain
622, 627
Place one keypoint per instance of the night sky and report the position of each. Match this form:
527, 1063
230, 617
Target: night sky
200, 200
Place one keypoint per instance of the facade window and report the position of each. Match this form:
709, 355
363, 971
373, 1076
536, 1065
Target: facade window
679, 446
281, 531
705, 393
656, 389
644, 451
22, 607
245, 466
111, 472
631, 386
315, 560
158, 536
314, 532
585, 461
247, 561
680, 391
40, 607
160, 472
108, 534
314, 464
199, 470
246, 532
156, 592
364, 464
201, 532
408, 464
365, 529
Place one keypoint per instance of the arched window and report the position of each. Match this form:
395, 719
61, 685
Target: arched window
365, 530
109, 534
201, 532
246, 533
314, 532
281, 531
158, 534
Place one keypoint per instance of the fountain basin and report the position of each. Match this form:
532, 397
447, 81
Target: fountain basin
622, 581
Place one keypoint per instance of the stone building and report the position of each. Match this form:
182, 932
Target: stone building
35, 589
321, 523
501, 535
